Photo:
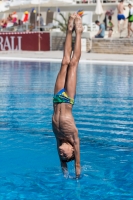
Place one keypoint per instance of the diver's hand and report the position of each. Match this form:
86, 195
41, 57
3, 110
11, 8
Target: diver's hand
75, 177
78, 176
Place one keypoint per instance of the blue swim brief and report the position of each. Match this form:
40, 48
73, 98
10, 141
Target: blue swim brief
62, 97
120, 17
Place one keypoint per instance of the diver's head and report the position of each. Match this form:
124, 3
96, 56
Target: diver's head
66, 152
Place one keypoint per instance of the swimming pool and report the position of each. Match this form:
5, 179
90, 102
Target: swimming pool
29, 164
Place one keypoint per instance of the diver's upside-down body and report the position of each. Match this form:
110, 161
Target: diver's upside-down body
63, 123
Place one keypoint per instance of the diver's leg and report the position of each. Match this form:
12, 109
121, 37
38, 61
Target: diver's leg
71, 80
61, 77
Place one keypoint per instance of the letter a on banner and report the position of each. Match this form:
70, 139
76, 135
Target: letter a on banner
7, 44
1, 43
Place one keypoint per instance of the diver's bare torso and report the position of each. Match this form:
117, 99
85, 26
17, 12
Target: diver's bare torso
63, 123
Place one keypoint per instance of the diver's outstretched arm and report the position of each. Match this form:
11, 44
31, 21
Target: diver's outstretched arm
77, 154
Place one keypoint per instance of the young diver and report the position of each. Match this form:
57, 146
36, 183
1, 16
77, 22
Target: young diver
63, 123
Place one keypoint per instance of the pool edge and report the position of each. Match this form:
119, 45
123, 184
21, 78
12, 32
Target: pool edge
59, 60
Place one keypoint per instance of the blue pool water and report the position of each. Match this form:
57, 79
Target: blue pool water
29, 164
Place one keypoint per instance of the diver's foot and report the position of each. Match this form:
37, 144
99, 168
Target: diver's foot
78, 24
70, 26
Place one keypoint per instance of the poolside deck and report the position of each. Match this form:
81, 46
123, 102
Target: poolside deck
57, 56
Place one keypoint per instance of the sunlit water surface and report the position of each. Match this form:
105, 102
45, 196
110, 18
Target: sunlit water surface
103, 111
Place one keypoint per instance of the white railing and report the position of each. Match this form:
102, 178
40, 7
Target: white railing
95, 1
70, 1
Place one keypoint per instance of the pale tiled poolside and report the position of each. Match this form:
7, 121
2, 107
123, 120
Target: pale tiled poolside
57, 55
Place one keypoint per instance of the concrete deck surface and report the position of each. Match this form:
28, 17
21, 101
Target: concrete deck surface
57, 55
